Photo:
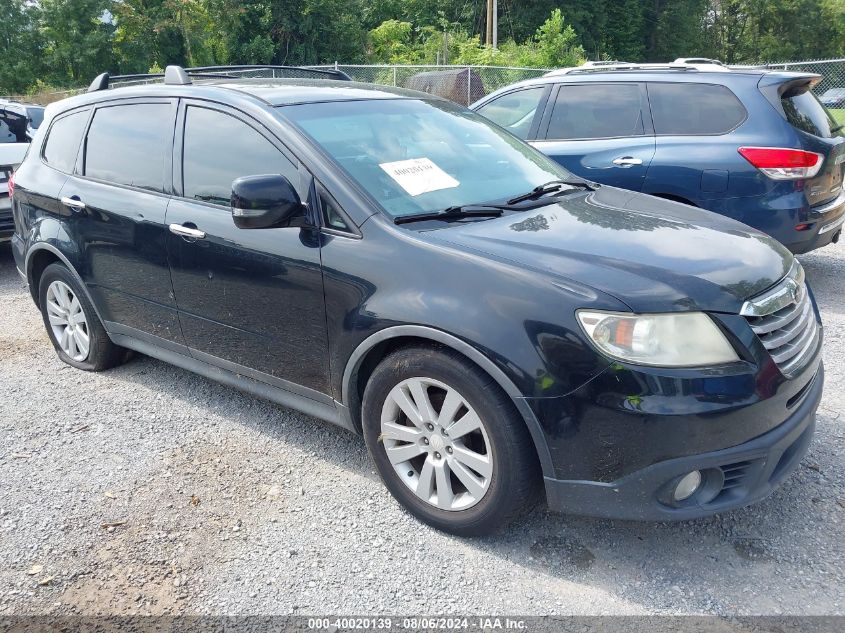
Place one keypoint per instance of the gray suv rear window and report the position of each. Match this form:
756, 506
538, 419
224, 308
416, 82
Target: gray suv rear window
63, 141
694, 109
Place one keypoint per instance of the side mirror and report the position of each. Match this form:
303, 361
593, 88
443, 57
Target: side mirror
263, 202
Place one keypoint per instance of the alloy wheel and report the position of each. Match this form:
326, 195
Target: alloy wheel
437, 443
67, 320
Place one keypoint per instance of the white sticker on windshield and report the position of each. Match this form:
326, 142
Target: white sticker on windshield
419, 175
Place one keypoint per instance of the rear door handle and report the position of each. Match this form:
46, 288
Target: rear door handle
187, 231
627, 161
74, 203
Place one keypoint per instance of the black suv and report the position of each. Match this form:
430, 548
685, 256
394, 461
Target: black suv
395, 264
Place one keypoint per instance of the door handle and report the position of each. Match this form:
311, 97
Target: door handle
74, 203
187, 231
627, 161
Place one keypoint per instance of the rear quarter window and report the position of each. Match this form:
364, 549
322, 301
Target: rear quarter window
805, 113
694, 109
514, 111
63, 140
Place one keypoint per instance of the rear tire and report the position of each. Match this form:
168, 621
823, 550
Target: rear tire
448, 442
72, 324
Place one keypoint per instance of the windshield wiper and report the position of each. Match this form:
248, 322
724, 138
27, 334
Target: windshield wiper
452, 213
497, 209
551, 187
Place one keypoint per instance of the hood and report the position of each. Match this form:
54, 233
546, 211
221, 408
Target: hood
652, 254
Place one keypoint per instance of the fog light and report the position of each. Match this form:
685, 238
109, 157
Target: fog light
687, 486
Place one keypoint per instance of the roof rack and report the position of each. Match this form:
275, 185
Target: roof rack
680, 65
178, 76
622, 66
604, 62
698, 60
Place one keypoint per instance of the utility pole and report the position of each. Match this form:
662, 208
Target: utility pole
492, 34
495, 23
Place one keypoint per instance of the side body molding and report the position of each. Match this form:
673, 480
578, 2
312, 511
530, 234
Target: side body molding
349, 397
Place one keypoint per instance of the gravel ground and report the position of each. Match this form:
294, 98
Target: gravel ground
225, 504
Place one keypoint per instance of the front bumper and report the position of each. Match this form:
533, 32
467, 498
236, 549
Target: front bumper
733, 477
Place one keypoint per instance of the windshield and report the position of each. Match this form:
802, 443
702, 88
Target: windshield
36, 116
421, 156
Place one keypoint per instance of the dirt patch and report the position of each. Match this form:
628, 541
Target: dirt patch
755, 550
562, 553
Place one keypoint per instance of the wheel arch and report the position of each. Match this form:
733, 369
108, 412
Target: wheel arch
41, 255
369, 353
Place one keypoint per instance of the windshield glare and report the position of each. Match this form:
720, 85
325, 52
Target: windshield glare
417, 156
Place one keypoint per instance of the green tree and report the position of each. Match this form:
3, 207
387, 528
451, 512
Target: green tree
21, 46
624, 37
78, 39
243, 30
677, 30
318, 31
555, 44
144, 35
390, 42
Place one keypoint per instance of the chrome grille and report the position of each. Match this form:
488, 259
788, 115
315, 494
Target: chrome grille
784, 321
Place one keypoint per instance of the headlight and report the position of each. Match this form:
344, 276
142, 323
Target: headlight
686, 339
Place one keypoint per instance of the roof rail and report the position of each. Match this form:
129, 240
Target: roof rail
604, 62
332, 73
178, 76
600, 67
623, 66
697, 60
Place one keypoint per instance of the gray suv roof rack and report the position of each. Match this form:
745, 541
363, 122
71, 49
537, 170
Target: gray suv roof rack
592, 67
682, 64
176, 75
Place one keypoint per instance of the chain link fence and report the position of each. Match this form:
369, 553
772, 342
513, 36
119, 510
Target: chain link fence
467, 84
461, 84
832, 71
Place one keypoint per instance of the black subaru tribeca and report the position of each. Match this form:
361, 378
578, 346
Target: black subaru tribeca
395, 264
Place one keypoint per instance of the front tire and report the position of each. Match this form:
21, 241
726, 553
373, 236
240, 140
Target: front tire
448, 442
72, 324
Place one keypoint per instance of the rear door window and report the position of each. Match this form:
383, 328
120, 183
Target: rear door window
588, 111
218, 148
128, 144
63, 140
805, 113
694, 109
514, 111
